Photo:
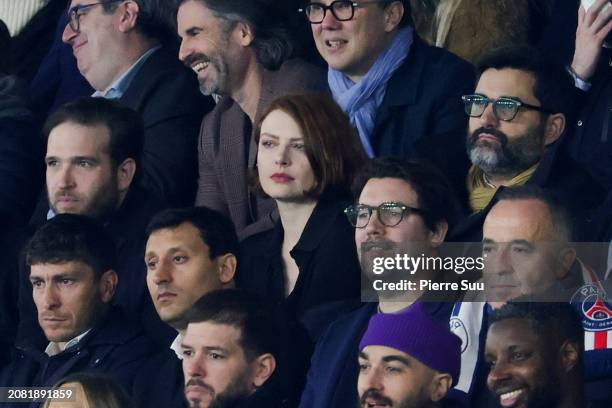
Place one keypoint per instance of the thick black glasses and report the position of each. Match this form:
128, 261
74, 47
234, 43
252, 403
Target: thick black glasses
343, 10
505, 108
77, 11
389, 214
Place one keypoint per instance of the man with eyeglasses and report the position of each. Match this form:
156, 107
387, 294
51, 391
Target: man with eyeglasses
124, 50
399, 93
517, 117
398, 202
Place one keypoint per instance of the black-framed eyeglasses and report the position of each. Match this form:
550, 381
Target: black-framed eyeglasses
389, 214
505, 108
75, 13
343, 10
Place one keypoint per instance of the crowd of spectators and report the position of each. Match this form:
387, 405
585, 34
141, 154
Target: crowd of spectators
194, 194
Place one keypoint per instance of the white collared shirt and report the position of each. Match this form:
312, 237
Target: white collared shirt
176, 346
54, 348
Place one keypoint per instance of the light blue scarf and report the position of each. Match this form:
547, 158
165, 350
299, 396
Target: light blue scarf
361, 100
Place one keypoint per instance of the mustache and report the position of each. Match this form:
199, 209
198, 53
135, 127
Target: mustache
500, 136
200, 383
196, 57
379, 244
376, 396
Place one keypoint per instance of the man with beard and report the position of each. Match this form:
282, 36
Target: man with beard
398, 203
518, 115
125, 50
232, 353
94, 146
407, 360
71, 262
535, 352
240, 50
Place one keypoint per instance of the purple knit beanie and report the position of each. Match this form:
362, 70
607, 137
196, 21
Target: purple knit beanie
415, 333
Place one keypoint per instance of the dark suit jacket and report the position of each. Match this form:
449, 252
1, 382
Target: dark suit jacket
422, 115
227, 148
21, 153
167, 96
591, 145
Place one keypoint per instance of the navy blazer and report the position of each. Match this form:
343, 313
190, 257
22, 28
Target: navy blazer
167, 96
422, 115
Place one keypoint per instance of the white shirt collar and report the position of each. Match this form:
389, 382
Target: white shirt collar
54, 348
176, 346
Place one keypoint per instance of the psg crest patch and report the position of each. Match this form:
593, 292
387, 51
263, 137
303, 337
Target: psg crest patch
596, 315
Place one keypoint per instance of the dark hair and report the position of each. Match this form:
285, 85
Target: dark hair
216, 230
72, 237
259, 325
435, 196
125, 125
557, 319
332, 147
100, 390
155, 18
273, 42
554, 87
559, 217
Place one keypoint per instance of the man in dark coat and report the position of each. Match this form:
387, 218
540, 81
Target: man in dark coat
71, 263
518, 118
248, 75
93, 155
122, 49
430, 207
401, 94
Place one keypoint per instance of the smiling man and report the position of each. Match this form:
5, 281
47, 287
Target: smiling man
240, 50
535, 352
72, 262
189, 253
123, 49
407, 360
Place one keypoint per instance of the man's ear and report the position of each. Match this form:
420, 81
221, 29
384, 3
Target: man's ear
263, 368
570, 355
439, 386
243, 34
567, 256
226, 268
555, 125
125, 174
393, 15
108, 285
129, 11
437, 237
